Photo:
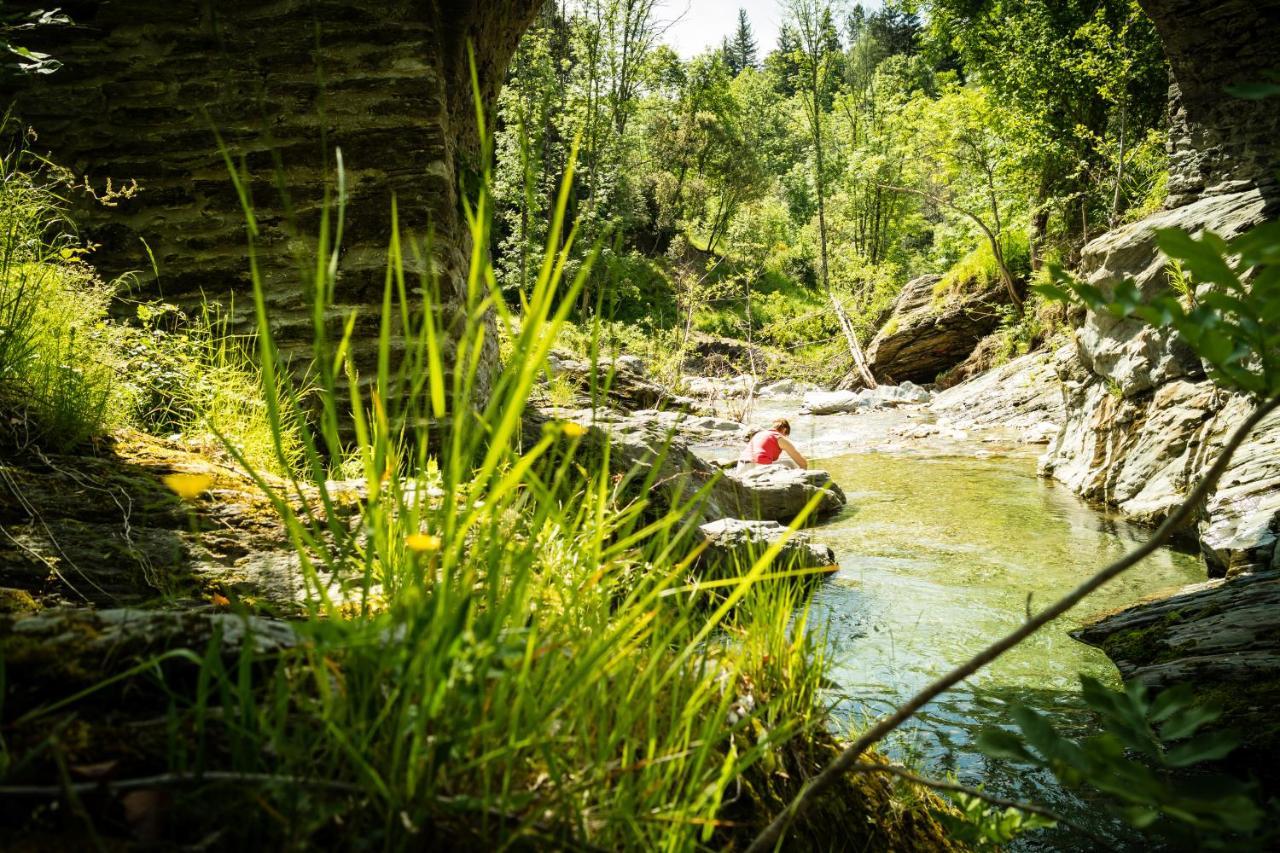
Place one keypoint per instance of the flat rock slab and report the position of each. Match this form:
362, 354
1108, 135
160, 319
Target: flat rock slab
733, 545
1222, 637
104, 529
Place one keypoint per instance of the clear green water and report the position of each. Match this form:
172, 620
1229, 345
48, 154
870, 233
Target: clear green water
937, 557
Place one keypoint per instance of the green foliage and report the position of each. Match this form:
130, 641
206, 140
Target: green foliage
15, 25
986, 827
1231, 320
1053, 133
1137, 761
977, 271
192, 376
57, 348
548, 658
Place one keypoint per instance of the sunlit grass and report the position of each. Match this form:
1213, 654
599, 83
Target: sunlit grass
507, 646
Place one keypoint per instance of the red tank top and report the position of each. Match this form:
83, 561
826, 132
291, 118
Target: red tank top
764, 447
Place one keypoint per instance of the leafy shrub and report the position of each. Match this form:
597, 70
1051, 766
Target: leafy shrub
57, 348
1143, 740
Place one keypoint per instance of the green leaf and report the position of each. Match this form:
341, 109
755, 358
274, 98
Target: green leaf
1209, 747
1253, 91
1171, 701
998, 743
1203, 258
1051, 292
1185, 721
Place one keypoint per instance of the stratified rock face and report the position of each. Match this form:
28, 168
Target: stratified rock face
1022, 395
146, 85
1143, 421
1220, 637
1219, 144
924, 336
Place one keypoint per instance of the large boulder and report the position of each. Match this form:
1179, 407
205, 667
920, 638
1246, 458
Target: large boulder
927, 334
1222, 637
780, 493
658, 466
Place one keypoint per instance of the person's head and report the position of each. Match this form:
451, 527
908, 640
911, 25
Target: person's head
782, 425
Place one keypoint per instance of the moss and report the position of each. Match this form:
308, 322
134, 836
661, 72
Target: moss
17, 601
1248, 707
1146, 645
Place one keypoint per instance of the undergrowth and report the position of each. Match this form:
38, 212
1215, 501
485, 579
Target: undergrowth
57, 350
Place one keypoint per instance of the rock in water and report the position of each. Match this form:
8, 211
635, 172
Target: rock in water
926, 335
780, 493
1222, 637
733, 545
649, 454
833, 402
787, 388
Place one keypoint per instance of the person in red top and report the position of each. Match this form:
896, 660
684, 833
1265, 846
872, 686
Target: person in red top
767, 446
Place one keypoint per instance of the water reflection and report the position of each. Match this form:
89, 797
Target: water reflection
939, 556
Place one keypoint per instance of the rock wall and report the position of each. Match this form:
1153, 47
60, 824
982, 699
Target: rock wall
1143, 421
1218, 144
927, 334
147, 84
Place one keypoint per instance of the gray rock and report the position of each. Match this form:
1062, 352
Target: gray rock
787, 388
925, 336
1221, 636
645, 451
630, 363
1018, 395
624, 385
710, 387
733, 545
1143, 424
780, 493
833, 402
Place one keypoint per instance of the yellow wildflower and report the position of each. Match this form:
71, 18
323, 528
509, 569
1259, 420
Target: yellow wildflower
573, 430
188, 486
422, 542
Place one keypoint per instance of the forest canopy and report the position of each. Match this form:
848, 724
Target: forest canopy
977, 136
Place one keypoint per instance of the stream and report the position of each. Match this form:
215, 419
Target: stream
939, 547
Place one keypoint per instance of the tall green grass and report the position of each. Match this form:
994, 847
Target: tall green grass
509, 646
57, 349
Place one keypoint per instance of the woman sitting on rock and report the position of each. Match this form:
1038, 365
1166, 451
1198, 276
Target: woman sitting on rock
767, 446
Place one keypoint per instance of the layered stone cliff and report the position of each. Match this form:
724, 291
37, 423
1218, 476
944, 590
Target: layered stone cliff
1143, 421
148, 88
